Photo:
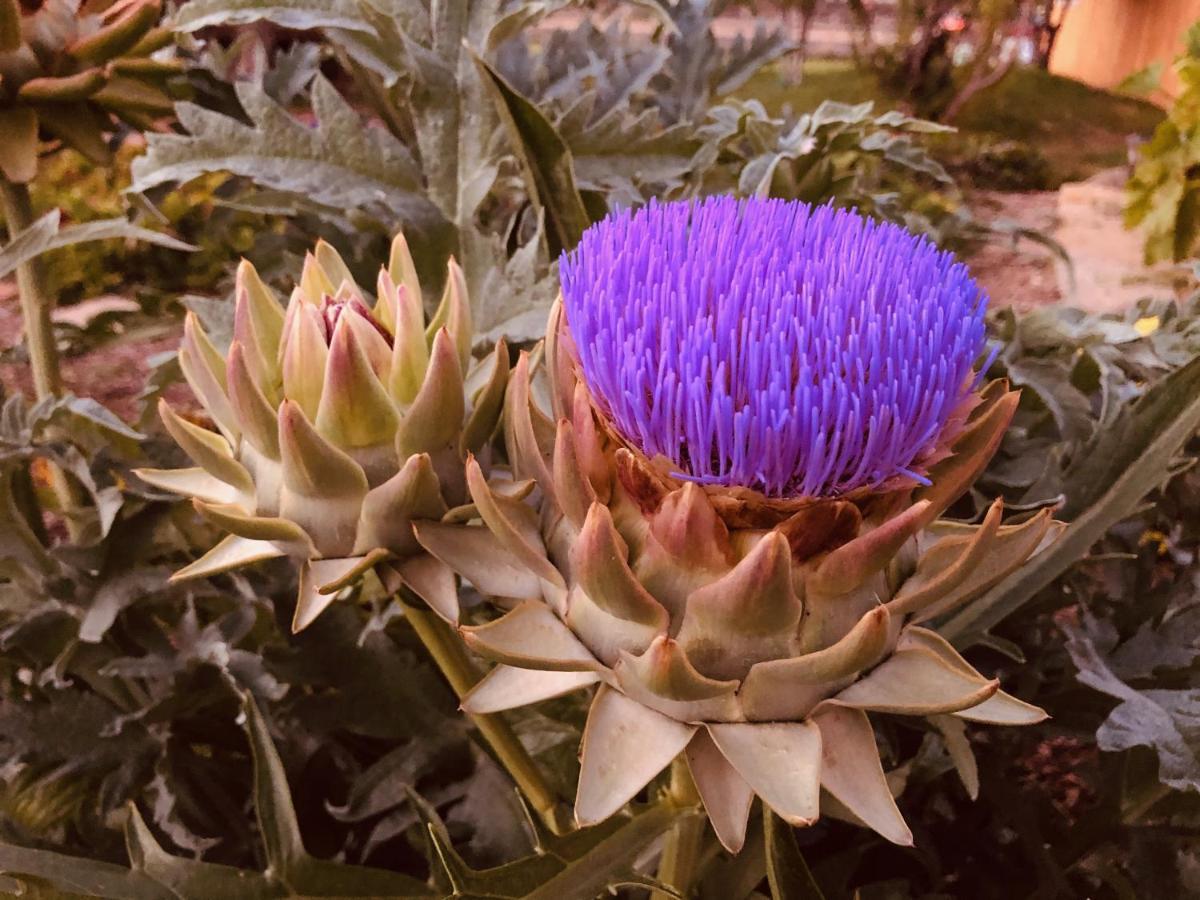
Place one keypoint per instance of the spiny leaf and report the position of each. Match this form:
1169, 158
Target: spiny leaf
583, 863
285, 852
74, 875
189, 877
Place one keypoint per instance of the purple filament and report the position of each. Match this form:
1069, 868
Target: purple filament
796, 350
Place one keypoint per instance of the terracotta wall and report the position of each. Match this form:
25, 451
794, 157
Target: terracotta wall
1102, 41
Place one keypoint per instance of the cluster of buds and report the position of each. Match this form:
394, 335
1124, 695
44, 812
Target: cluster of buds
757, 412
67, 69
338, 422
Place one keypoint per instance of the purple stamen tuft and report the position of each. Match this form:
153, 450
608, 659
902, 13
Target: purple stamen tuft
797, 350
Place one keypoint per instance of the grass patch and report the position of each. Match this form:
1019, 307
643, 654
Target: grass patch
824, 79
1079, 130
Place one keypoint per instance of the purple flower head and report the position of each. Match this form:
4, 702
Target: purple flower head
796, 350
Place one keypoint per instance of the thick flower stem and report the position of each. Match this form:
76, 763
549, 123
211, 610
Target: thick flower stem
36, 304
36, 308
451, 657
681, 851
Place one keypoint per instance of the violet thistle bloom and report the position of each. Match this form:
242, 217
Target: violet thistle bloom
790, 349
759, 410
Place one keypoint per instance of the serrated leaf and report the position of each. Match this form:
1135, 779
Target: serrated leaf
1168, 721
301, 15
342, 162
368, 34
1171, 644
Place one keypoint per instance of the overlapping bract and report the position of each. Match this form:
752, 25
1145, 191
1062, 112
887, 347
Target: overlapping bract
68, 68
752, 633
773, 345
340, 421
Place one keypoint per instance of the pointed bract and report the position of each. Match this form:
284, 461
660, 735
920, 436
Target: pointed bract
231, 553
454, 313
208, 450
304, 360
323, 487
355, 411
748, 615
507, 687
254, 412
726, 795
389, 510
433, 581
315, 284
257, 326
204, 370
851, 770
434, 420
624, 746
788, 688
663, 679
332, 264
410, 352
531, 636
191, 483
781, 761
917, 683
479, 557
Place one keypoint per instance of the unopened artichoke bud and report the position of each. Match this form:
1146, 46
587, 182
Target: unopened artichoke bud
340, 421
68, 68
759, 411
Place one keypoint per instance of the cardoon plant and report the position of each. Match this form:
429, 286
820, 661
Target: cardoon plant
759, 411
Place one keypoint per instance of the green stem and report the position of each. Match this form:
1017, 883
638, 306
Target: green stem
36, 303
450, 654
681, 850
36, 307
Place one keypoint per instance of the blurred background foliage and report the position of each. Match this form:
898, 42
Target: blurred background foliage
348, 120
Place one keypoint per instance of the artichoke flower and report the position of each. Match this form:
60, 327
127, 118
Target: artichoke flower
339, 422
757, 412
68, 68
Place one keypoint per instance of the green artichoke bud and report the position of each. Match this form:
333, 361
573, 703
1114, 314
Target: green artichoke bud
743, 589
339, 423
67, 69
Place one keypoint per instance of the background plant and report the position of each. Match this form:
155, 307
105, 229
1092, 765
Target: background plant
576, 121
1164, 192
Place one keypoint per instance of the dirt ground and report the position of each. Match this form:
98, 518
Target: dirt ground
114, 373
1017, 272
